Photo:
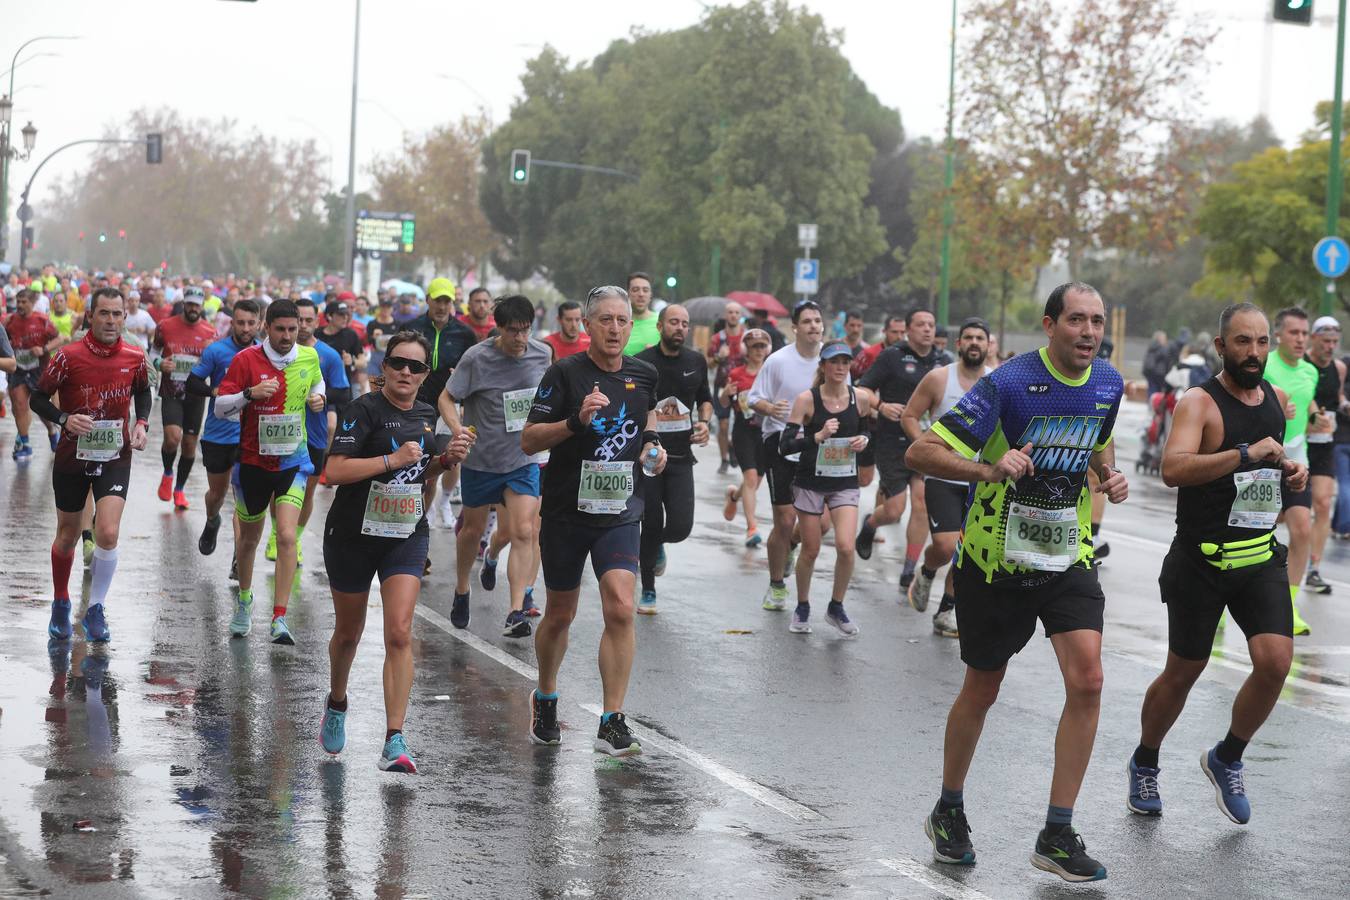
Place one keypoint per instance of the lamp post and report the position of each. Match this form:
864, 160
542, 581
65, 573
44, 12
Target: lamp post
9, 152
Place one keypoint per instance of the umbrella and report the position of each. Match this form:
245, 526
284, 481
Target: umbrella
755, 300
404, 287
705, 310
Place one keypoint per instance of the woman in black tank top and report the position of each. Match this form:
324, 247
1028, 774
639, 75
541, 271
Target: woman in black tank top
825, 427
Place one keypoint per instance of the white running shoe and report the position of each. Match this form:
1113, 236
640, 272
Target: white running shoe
920, 589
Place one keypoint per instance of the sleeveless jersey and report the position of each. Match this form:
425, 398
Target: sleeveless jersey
849, 427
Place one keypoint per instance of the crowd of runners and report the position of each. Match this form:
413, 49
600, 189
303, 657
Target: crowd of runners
581, 447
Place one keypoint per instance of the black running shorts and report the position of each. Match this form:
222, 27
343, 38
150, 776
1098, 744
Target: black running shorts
1196, 594
72, 488
219, 458
186, 413
997, 620
890, 456
1322, 460
946, 502
777, 471
747, 444
564, 546
352, 562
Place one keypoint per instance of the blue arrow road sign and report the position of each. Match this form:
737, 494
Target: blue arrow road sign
1332, 257
805, 276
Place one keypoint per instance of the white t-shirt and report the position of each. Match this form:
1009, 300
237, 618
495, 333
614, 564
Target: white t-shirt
784, 375
141, 324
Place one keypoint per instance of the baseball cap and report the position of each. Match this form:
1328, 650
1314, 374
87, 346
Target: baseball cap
346, 295
835, 348
975, 322
756, 336
386, 300
441, 287
193, 295
1326, 323
335, 307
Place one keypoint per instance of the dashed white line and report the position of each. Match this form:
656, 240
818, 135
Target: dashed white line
922, 874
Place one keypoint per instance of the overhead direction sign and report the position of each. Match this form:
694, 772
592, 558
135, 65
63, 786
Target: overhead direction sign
1332, 257
385, 232
805, 276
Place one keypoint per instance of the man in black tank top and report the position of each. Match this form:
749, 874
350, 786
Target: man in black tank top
1225, 454
1329, 398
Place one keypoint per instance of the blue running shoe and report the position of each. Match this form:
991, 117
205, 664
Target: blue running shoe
333, 730
646, 605
23, 453
487, 576
59, 626
95, 626
280, 633
1144, 798
459, 611
1229, 789
241, 623
660, 568
529, 608
396, 756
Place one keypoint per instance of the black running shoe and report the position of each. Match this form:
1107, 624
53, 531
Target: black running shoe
950, 834
544, 721
614, 737
459, 611
906, 579
517, 626
206, 544
863, 543
1062, 852
1101, 551
1315, 583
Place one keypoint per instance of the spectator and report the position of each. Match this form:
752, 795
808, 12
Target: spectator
1157, 363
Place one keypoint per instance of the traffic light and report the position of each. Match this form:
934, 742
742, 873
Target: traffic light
154, 148
672, 280
29, 237
1296, 12
122, 233
81, 235
103, 237
520, 167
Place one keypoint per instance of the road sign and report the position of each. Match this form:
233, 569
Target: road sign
25, 212
806, 237
1332, 257
386, 232
806, 276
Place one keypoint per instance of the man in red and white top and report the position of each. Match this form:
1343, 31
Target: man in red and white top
33, 337
479, 316
97, 379
181, 340
724, 354
570, 337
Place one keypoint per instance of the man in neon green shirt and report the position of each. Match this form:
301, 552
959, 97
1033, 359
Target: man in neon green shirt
61, 316
646, 332
1290, 372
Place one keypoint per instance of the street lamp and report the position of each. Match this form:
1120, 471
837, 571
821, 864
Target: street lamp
6, 110
29, 139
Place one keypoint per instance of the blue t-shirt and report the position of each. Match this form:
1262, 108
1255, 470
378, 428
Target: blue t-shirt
334, 376
213, 365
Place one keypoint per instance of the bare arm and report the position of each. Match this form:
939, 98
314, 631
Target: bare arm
923, 401
1184, 465
449, 410
931, 455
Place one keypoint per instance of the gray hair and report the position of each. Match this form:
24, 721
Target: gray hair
606, 292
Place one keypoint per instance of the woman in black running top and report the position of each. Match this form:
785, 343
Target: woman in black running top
825, 427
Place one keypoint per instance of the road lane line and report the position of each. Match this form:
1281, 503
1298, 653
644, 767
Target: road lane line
934, 881
706, 764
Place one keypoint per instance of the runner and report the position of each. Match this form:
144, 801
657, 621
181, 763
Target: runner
569, 338
33, 337
646, 332
97, 381
220, 438
747, 441
683, 413
379, 331
496, 381
270, 386
1225, 455
338, 334
376, 527
596, 412
479, 315
826, 429
939, 391
893, 332
782, 378
853, 333
1328, 398
1287, 370
181, 339
726, 352
1022, 556
63, 317
894, 376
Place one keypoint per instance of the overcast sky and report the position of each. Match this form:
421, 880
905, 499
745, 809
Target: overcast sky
285, 65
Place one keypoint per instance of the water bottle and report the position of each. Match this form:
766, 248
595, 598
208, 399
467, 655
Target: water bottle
649, 461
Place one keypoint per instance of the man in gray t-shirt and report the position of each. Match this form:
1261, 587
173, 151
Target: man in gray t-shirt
496, 380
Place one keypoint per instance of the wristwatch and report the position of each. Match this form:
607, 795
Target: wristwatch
1242, 452
248, 393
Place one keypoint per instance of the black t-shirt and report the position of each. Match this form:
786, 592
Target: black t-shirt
372, 426
683, 377
376, 332
615, 434
343, 341
895, 376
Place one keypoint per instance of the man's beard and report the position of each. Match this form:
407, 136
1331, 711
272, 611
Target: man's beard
974, 356
673, 343
192, 315
1244, 377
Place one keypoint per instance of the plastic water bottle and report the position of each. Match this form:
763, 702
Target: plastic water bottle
649, 461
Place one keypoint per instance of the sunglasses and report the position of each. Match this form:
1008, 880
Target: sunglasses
403, 363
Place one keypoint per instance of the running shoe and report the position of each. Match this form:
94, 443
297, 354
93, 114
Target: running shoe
333, 730
95, 625
950, 834
835, 615
459, 611
801, 616
1102, 550
396, 756
1143, 798
23, 452
646, 605
752, 539
530, 609
180, 500
426, 567
660, 568
87, 546
776, 598
733, 498
517, 626
59, 626
455, 496
906, 579
280, 633
442, 515
614, 738
863, 543
921, 590
270, 554
487, 576
165, 491
944, 623
1062, 853
1315, 583
234, 568
1301, 627
206, 544
544, 721
1230, 790
722, 469
241, 623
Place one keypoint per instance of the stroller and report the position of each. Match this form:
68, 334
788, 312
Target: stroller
1190, 372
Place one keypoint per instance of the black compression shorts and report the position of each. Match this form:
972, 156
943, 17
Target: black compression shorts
564, 546
1322, 460
353, 562
747, 444
778, 471
186, 413
72, 488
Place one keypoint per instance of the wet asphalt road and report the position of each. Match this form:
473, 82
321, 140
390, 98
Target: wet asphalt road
776, 765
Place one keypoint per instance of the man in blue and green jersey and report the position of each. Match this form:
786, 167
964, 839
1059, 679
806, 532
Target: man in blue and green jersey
1025, 437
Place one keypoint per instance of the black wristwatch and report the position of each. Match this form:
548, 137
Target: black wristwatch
61, 421
248, 394
1242, 452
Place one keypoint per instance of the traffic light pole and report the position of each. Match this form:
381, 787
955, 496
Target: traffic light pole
1334, 170
599, 170
948, 211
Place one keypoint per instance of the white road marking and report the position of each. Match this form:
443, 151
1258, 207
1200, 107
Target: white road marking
706, 764
922, 874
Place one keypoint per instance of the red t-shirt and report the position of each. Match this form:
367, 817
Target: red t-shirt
176, 338
300, 378
97, 380
482, 331
562, 349
31, 332
159, 313
863, 361
735, 355
742, 378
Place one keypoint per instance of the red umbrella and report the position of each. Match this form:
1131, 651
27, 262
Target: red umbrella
758, 301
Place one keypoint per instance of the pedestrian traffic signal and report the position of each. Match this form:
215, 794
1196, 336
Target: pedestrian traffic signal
122, 233
520, 167
672, 280
1297, 12
103, 237
154, 148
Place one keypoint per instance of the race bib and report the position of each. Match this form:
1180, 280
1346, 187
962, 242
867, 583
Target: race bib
382, 341
672, 415
516, 406
743, 400
280, 434
182, 366
605, 487
102, 444
1043, 539
836, 459
392, 510
27, 358
1258, 500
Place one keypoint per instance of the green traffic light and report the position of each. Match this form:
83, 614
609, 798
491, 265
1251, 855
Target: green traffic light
671, 281
519, 174
102, 238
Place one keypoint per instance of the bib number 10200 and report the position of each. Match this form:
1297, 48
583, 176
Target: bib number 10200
605, 487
